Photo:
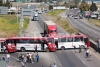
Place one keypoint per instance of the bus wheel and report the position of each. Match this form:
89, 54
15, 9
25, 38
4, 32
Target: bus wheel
62, 48
47, 49
6, 51
22, 49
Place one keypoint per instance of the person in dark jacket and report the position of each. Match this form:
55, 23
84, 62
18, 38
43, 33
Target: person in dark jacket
37, 57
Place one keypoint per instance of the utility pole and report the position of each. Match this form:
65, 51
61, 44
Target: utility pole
17, 12
21, 23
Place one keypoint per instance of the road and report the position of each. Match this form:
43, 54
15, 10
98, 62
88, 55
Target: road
83, 26
65, 58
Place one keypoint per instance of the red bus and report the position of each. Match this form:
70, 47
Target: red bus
7, 45
30, 43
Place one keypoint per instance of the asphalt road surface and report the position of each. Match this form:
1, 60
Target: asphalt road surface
65, 58
82, 25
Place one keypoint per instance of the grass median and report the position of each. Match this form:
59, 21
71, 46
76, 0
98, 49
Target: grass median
63, 22
9, 26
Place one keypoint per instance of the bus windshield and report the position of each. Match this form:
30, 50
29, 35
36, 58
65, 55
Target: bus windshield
9, 41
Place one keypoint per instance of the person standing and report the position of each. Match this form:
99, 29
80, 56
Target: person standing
32, 58
37, 57
87, 52
54, 65
98, 43
8, 57
35, 48
88, 44
80, 49
3, 58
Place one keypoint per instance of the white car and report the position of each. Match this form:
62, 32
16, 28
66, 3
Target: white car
76, 17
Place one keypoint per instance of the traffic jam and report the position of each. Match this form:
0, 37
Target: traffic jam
49, 42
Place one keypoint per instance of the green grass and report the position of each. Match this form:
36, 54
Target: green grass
55, 12
9, 26
63, 22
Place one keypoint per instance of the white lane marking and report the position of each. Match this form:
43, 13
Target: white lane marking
58, 60
79, 58
95, 55
17, 59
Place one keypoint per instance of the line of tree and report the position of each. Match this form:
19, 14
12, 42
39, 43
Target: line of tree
86, 7
7, 4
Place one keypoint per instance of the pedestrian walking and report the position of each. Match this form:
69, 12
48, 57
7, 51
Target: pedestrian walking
3, 58
8, 57
35, 48
74, 48
27, 57
22, 58
37, 57
87, 52
25, 60
19, 56
80, 49
54, 65
32, 58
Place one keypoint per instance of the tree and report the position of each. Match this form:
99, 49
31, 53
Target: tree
93, 7
0, 2
76, 2
84, 6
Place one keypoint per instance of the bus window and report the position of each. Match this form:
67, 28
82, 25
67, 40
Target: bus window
76, 39
62, 40
22, 41
70, 39
35, 41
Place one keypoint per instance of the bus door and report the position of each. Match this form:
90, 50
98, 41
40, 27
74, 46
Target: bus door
2, 47
56, 42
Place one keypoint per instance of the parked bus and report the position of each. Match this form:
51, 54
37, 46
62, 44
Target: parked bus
77, 41
7, 45
30, 43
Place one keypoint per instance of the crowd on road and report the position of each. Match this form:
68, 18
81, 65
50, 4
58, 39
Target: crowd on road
28, 57
31, 57
5, 58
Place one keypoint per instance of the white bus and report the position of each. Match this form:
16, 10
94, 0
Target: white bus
28, 43
74, 41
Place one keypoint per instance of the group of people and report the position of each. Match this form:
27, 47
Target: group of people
29, 57
5, 58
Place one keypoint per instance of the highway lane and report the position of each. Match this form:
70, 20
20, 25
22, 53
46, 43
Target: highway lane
43, 18
65, 58
91, 30
69, 59
46, 58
